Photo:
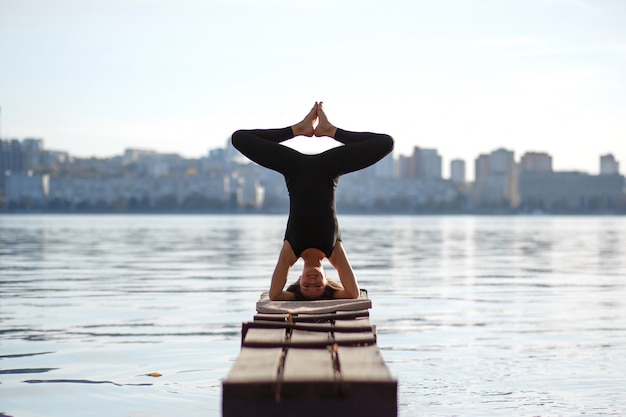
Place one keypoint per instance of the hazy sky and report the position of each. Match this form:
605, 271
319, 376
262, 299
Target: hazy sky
463, 76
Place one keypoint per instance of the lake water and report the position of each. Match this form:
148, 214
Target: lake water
476, 316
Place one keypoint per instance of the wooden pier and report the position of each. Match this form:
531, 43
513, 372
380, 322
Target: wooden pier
311, 358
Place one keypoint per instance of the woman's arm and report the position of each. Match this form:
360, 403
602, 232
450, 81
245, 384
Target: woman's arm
286, 259
339, 260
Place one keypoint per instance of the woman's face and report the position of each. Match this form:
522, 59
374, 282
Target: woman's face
312, 282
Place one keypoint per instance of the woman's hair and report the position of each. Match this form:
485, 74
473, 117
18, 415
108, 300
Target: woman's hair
329, 291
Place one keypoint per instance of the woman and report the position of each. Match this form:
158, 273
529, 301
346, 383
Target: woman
312, 229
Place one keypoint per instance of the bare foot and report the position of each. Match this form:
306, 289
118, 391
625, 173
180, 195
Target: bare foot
307, 126
324, 127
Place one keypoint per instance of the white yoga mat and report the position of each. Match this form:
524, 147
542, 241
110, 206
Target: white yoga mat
265, 305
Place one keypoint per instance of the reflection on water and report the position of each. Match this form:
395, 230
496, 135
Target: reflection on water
475, 315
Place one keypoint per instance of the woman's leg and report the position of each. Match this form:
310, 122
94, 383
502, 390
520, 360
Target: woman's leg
263, 145
360, 150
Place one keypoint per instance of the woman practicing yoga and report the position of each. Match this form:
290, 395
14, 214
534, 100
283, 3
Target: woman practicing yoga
312, 229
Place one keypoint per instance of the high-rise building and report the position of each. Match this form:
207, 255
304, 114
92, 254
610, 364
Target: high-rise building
32, 151
481, 166
608, 165
385, 167
413, 163
457, 171
496, 179
501, 161
402, 166
423, 164
430, 164
536, 162
11, 156
11, 160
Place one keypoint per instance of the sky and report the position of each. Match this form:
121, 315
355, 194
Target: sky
94, 77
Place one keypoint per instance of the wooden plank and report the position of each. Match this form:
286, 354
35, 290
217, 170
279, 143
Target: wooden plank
255, 365
357, 338
340, 315
362, 364
323, 327
276, 336
340, 326
268, 324
272, 317
364, 323
361, 399
308, 365
304, 336
270, 337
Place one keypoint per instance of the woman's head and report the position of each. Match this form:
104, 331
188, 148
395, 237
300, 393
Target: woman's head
312, 282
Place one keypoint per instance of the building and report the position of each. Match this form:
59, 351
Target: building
250, 193
413, 167
32, 152
609, 165
402, 166
385, 167
423, 164
481, 167
570, 191
25, 189
429, 165
535, 162
133, 155
496, 180
457, 171
26, 155
396, 194
10, 160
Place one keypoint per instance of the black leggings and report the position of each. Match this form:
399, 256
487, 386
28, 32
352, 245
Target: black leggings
312, 179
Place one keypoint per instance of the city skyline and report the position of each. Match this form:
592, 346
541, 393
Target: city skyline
142, 180
446, 163
462, 77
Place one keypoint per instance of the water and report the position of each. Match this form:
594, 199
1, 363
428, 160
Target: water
476, 316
